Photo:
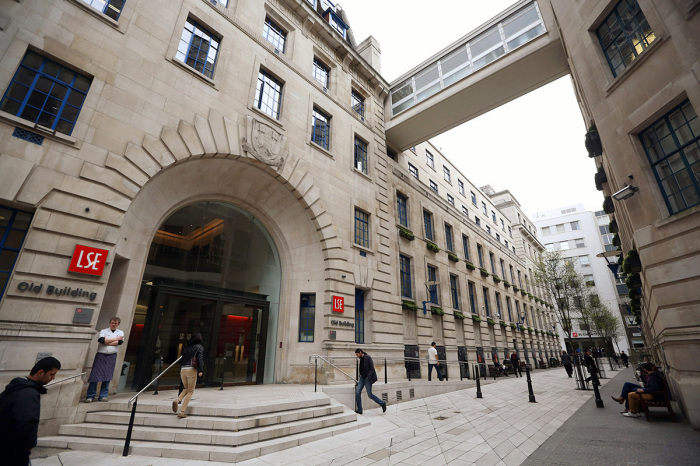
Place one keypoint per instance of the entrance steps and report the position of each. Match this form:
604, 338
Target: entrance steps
230, 432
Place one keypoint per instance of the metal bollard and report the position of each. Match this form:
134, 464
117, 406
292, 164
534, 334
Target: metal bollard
529, 384
385, 374
598, 399
315, 373
478, 382
223, 370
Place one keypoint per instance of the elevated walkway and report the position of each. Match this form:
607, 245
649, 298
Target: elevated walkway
516, 52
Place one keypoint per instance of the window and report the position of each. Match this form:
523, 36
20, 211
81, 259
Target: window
13, 229
503, 225
433, 186
111, 8
506, 243
402, 209
483, 207
510, 232
624, 35
465, 211
488, 229
560, 228
461, 187
428, 225
198, 48
413, 149
588, 280
465, 246
472, 297
359, 316
575, 225
520, 282
510, 316
604, 229
487, 305
446, 174
268, 95
360, 155
517, 311
580, 243
473, 197
358, 103
584, 261
274, 35
498, 237
672, 145
512, 277
406, 286
307, 317
503, 269
498, 305
448, 238
321, 73
450, 200
477, 220
454, 291
361, 228
429, 159
432, 287
321, 129
46, 93
493, 217
480, 254
546, 231
493, 263
413, 170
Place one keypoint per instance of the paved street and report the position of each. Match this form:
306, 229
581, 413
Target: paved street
502, 428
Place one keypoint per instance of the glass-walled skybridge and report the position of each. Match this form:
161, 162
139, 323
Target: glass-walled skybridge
510, 55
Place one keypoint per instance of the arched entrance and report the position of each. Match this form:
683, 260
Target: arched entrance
213, 269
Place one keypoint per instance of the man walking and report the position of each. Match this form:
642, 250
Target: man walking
590, 364
566, 361
433, 362
105, 360
515, 361
625, 358
20, 407
367, 377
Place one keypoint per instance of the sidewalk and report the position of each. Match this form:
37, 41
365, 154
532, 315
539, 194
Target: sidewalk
502, 428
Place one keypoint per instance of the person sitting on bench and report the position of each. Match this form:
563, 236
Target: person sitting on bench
630, 387
653, 384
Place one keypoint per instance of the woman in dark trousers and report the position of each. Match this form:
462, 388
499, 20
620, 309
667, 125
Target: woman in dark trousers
191, 366
566, 361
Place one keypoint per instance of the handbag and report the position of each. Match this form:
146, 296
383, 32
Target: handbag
195, 362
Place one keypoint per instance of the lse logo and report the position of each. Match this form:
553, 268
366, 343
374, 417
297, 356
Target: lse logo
574, 334
88, 260
338, 304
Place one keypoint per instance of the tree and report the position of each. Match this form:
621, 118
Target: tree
606, 324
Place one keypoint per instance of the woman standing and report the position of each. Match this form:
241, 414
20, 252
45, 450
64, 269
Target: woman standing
566, 361
191, 365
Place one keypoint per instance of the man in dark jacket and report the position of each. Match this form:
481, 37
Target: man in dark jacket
20, 407
566, 361
654, 385
515, 361
590, 364
367, 377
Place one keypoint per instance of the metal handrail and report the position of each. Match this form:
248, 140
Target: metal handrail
63, 380
318, 356
127, 441
151, 382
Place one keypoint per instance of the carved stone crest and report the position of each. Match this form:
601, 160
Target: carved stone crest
264, 142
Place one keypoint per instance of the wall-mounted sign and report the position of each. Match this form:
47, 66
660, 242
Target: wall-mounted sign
343, 323
56, 291
338, 304
574, 334
88, 260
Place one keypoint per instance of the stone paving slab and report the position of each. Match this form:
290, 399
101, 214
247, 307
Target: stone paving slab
502, 428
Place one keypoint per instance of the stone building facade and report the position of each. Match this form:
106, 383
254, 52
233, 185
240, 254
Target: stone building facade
221, 167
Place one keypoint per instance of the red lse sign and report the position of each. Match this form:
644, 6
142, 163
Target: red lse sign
574, 334
88, 260
338, 304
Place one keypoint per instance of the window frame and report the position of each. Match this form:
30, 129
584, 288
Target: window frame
406, 282
413, 170
359, 316
428, 229
402, 209
184, 56
433, 295
361, 156
449, 240
322, 73
310, 321
266, 79
429, 159
275, 34
321, 134
361, 233
357, 103
454, 291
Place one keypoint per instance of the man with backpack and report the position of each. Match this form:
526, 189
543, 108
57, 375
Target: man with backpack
368, 376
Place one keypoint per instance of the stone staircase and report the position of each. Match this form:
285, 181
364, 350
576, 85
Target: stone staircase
224, 433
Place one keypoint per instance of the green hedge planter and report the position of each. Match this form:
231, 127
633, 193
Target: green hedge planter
432, 247
476, 319
409, 306
405, 233
453, 257
469, 265
437, 311
459, 315
483, 272
496, 278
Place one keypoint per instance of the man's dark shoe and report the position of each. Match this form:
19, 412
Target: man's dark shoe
358, 411
384, 408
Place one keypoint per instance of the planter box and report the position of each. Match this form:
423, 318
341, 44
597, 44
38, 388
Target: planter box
506, 283
593, 144
453, 257
405, 233
409, 306
513, 326
476, 319
608, 206
613, 226
459, 315
432, 247
502, 324
483, 272
490, 321
437, 311
496, 278
469, 265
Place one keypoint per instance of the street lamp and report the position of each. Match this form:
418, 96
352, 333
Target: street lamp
613, 264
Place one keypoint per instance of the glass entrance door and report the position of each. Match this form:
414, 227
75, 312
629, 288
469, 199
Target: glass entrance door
240, 348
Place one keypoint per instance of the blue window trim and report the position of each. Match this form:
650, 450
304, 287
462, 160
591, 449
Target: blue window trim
361, 155
453, 291
449, 243
472, 297
202, 41
268, 87
275, 35
510, 316
357, 102
432, 276
487, 306
664, 139
359, 316
322, 73
406, 285
9, 228
402, 209
307, 320
413, 170
321, 129
361, 228
38, 98
503, 269
480, 254
493, 264
609, 42
497, 298
465, 246
428, 225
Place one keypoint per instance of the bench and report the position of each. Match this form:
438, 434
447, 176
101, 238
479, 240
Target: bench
495, 372
662, 399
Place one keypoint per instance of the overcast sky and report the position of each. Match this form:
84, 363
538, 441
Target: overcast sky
532, 146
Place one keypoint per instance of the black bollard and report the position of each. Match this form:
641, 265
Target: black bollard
529, 385
598, 399
130, 429
478, 383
